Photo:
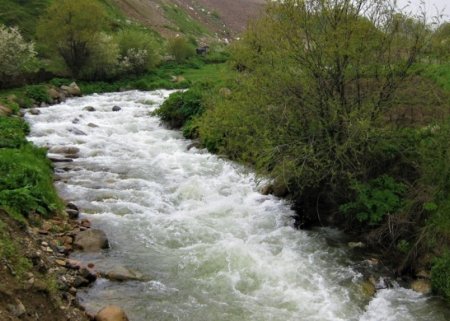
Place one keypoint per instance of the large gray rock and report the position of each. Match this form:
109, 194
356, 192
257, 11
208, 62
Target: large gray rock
116, 108
68, 150
111, 313
91, 240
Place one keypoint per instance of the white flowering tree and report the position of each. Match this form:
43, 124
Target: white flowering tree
17, 56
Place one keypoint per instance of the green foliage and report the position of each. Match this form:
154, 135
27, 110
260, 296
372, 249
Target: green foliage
180, 49
375, 199
23, 14
38, 93
26, 182
440, 275
17, 56
139, 51
181, 107
183, 22
12, 132
69, 29
9, 252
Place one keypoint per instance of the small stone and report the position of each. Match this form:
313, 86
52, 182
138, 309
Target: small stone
111, 313
17, 309
44, 244
88, 274
48, 250
34, 111
92, 125
80, 282
77, 132
72, 290
121, 273
73, 264
89, 108
116, 108
61, 262
85, 223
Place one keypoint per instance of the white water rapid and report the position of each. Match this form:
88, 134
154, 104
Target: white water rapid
209, 245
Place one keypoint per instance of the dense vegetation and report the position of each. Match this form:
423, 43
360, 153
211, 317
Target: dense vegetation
348, 112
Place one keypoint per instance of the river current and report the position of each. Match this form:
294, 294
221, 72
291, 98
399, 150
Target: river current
210, 246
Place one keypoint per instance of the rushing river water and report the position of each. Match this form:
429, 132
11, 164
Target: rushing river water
209, 245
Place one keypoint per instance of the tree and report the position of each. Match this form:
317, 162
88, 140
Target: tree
69, 29
16, 55
180, 49
441, 42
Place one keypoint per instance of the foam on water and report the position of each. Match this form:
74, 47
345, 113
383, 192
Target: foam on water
195, 225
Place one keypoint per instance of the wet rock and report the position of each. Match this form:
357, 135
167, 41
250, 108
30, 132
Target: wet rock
195, 144
422, 286
77, 132
91, 240
116, 108
69, 150
60, 160
73, 214
85, 223
111, 313
75, 121
356, 245
17, 309
121, 273
88, 273
368, 288
92, 125
80, 282
34, 111
43, 104
73, 264
266, 190
61, 262
89, 108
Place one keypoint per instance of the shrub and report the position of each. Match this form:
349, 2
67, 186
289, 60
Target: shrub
26, 182
440, 275
12, 132
180, 107
180, 49
16, 55
38, 93
375, 199
104, 58
139, 51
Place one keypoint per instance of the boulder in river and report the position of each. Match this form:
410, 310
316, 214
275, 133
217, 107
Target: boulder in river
111, 313
116, 108
121, 273
68, 150
91, 240
34, 111
71, 90
89, 108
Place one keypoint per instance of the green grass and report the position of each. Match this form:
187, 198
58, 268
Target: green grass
183, 21
22, 13
10, 253
440, 73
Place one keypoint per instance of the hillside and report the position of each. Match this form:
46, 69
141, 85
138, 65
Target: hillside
197, 18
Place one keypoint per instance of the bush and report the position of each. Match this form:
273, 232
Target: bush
440, 275
12, 132
180, 49
375, 199
38, 93
17, 56
26, 182
139, 51
181, 107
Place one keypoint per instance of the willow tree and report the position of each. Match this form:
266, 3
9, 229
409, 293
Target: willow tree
318, 78
69, 29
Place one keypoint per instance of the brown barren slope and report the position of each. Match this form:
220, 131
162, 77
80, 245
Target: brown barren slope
223, 18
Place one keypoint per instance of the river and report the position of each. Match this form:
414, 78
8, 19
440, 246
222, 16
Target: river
210, 246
